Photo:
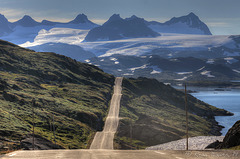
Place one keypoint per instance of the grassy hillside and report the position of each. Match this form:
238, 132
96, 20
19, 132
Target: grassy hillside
153, 113
77, 95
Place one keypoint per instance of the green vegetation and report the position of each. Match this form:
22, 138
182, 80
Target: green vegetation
153, 113
75, 94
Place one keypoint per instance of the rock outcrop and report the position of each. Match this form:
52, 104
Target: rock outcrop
232, 138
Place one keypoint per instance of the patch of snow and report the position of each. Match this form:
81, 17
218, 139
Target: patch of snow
230, 60
156, 70
128, 74
179, 27
119, 70
143, 57
136, 68
207, 73
174, 60
236, 71
87, 61
167, 84
102, 60
182, 79
183, 73
210, 61
201, 68
57, 35
113, 59
116, 62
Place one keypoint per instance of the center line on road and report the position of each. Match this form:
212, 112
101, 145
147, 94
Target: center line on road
162, 153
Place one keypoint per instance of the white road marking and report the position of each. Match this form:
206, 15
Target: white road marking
12, 154
162, 153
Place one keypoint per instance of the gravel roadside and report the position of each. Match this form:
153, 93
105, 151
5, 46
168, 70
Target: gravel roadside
195, 143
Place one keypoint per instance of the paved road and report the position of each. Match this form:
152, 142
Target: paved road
121, 154
104, 139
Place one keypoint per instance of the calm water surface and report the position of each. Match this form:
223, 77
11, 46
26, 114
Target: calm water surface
228, 100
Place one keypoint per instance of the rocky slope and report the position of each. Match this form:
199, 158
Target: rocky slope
232, 138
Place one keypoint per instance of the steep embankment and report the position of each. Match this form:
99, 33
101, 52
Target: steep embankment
153, 113
75, 94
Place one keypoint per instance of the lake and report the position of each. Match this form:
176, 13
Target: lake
228, 100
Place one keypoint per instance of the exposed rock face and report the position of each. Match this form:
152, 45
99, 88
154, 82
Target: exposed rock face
232, 138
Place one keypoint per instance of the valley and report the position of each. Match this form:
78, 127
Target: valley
57, 79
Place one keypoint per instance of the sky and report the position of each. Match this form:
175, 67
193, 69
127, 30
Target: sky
221, 16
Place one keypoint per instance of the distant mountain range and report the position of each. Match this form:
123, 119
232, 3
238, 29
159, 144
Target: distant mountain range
134, 27
81, 20
117, 28
26, 29
189, 24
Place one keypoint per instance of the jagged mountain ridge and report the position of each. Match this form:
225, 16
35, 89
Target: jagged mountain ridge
28, 21
118, 28
26, 29
189, 24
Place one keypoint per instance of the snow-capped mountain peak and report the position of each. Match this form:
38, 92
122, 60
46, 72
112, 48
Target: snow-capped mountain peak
188, 24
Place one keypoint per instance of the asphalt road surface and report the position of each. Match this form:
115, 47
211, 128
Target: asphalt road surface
104, 139
121, 154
